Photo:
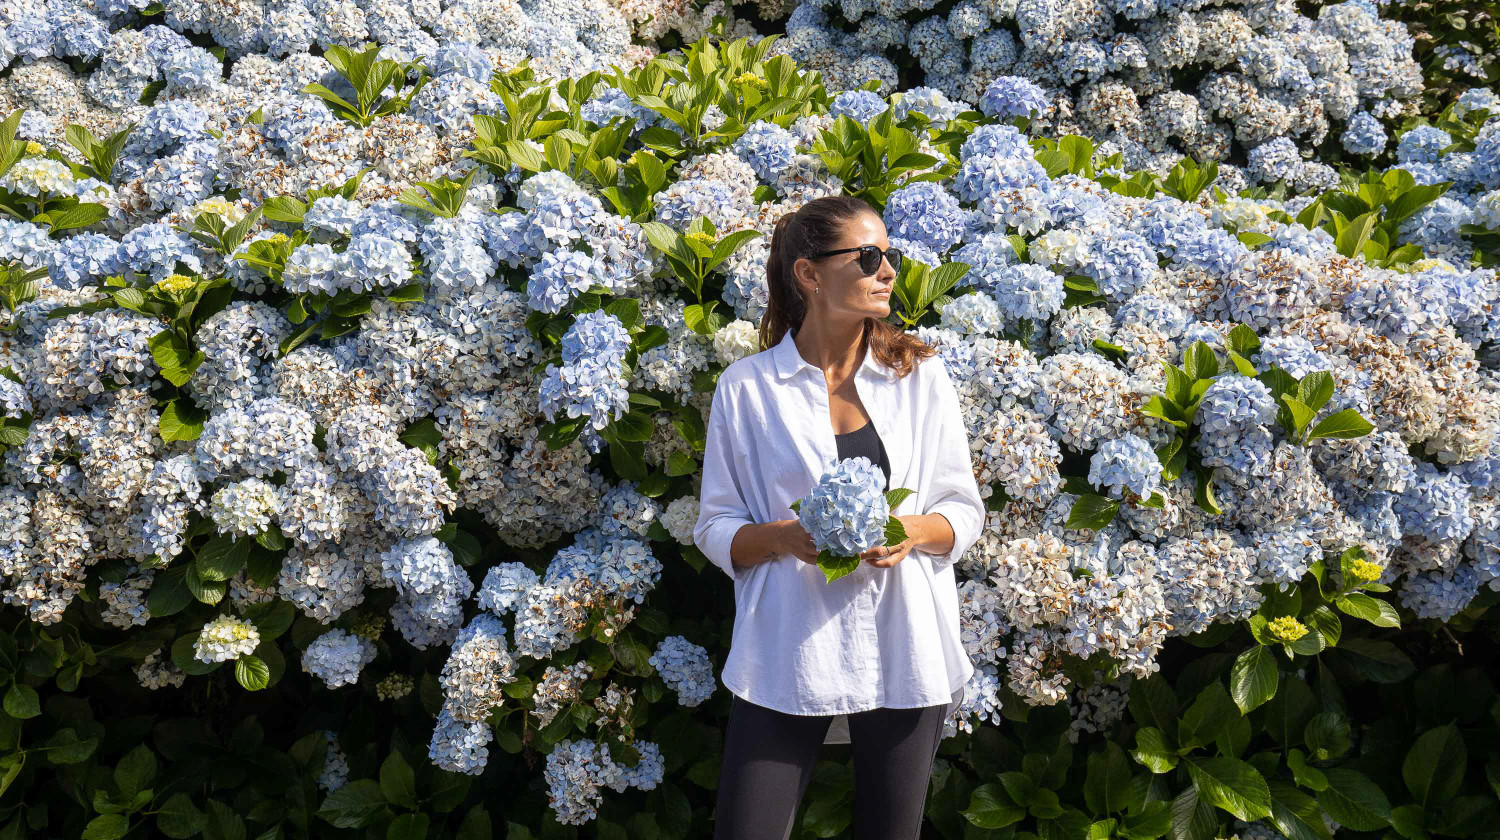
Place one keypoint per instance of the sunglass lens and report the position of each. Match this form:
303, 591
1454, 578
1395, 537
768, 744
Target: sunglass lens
893, 256
869, 259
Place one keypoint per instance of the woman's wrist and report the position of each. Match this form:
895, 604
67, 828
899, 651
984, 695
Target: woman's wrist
756, 543
930, 532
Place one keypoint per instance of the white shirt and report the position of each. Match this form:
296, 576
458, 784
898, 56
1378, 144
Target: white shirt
877, 637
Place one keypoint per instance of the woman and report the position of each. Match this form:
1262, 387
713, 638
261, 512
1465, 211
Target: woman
881, 644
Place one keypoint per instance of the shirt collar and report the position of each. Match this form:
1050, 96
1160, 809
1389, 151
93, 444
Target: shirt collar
788, 361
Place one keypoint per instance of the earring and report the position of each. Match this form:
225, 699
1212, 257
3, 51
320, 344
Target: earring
818, 289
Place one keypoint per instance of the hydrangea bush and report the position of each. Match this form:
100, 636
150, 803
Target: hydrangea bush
397, 361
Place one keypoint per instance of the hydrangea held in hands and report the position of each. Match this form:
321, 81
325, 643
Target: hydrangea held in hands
847, 514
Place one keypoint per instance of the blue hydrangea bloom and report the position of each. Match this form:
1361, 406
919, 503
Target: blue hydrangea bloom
1435, 506
463, 58
1235, 402
997, 139
598, 337
925, 212
1422, 144
1120, 263
846, 511
685, 668
559, 277
1364, 135
768, 148
1027, 291
1126, 462
1013, 96
82, 259
858, 105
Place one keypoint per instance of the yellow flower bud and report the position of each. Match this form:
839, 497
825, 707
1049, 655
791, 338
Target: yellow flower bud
1364, 571
34, 148
176, 283
701, 237
749, 79
1287, 629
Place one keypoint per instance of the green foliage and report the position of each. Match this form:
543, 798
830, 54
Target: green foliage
1364, 218
877, 159
371, 77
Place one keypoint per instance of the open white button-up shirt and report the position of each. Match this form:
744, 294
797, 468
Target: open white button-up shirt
877, 637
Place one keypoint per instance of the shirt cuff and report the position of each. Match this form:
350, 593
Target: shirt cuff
714, 539
966, 526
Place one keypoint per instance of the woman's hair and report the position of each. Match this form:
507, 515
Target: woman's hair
806, 232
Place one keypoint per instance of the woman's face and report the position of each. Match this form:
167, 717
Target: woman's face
843, 290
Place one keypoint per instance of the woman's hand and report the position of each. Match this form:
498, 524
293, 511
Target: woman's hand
885, 556
793, 539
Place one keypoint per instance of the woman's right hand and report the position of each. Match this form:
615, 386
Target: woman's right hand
793, 539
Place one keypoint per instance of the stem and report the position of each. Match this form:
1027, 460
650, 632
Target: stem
1456, 644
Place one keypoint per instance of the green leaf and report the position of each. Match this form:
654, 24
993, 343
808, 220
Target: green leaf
79, 216
1152, 750
284, 208
1351, 239
1193, 817
408, 827
169, 593
1107, 787
1369, 608
1327, 735
355, 805
1302, 414
221, 557
252, 673
223, 823
1253, 678
1296, 814
1434, 767
991, 807
476, 825
895, 532
183, 656
1199, 361
836, 567
1241, 364
1305, 774
1354, 801
1231, 784
1344, 424
106, 827
1315, 389
135, 770
1092, 511
1376, 659
1164, 409
65, 747
397, 781
178, 817
681, 463
1152, 821
22, 702
1153, 704
1211, 711
896, 495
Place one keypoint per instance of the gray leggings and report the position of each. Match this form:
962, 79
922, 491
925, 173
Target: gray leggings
769, 758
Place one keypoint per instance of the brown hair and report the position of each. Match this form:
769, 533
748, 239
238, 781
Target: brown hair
806, 232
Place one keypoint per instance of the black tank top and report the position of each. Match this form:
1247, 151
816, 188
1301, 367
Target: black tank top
865, 441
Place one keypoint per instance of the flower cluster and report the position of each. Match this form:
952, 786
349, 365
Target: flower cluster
416, 361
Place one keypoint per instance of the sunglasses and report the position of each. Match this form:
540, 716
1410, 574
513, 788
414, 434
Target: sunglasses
869, 257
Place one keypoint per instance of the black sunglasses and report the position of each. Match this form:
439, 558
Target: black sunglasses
869, 257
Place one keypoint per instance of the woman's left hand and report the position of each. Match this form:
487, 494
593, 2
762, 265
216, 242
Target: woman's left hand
885, 556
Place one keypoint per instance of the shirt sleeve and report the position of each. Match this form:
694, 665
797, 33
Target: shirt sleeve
953, 491
721, 509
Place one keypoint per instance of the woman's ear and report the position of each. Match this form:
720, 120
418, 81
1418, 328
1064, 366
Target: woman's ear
806, 274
